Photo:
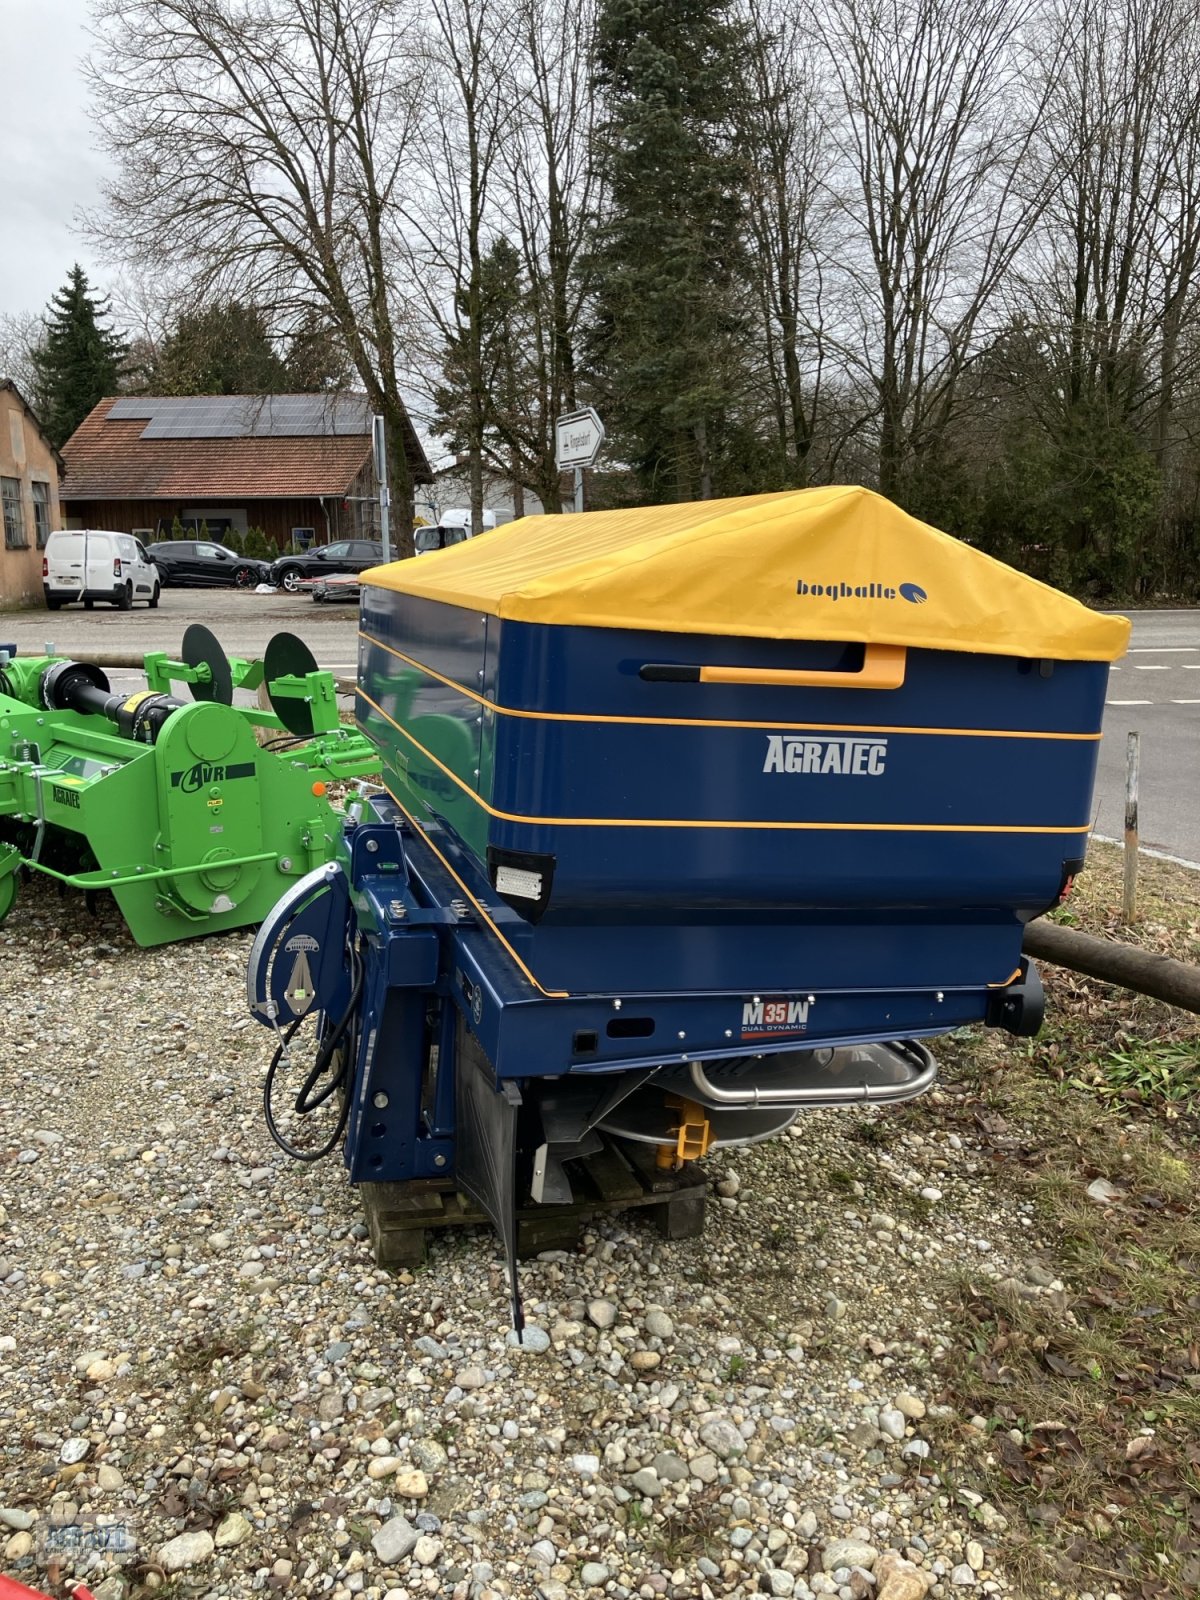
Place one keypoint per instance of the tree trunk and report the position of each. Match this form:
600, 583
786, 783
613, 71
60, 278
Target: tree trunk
1124, 964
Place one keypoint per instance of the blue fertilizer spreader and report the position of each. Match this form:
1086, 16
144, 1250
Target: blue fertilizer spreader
693, 817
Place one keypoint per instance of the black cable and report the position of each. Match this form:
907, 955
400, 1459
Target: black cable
305, 1101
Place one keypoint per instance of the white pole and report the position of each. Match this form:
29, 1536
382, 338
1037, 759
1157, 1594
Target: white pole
379, 443
579, 488
1132, 765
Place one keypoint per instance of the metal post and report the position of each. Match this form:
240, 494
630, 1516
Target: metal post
1132, 765
385, 501
379, 446
579, 488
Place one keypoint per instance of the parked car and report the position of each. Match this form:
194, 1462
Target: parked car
346, 555
94, 564
337, 586
184, 562
453, 527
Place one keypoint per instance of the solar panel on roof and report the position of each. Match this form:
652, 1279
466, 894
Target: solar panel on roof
239, 416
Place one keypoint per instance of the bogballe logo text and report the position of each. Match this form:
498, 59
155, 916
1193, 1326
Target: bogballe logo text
847, 755
912, 592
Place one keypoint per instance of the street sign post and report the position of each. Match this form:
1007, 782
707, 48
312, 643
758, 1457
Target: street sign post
578, 436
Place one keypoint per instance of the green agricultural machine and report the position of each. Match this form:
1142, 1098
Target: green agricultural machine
194, 819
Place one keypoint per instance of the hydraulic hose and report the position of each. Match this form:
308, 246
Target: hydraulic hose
306, 1100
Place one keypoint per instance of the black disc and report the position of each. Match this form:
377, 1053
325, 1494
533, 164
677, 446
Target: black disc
289, 657
201, 649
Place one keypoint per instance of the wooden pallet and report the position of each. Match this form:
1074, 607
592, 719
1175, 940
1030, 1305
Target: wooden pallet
620, 1176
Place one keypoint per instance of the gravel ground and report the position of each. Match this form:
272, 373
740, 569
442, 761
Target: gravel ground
198, 1355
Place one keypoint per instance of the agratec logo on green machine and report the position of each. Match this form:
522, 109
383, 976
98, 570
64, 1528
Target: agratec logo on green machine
912, 592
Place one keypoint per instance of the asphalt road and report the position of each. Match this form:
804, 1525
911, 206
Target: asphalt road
242, 622
1155, 688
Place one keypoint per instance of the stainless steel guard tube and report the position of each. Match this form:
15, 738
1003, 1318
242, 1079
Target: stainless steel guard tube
833, 1094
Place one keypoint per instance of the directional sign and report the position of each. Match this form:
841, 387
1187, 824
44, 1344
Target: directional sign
577, 439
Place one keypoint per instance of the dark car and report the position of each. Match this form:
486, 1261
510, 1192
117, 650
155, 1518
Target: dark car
347, 555
182, 562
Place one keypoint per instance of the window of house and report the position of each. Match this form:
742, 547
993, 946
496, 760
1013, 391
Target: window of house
14, 514
41, 513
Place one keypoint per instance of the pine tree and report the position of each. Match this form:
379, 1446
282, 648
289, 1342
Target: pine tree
80, 361
668, 263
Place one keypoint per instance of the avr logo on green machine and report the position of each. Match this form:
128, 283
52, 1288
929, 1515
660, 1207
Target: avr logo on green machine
192, 779
64, 797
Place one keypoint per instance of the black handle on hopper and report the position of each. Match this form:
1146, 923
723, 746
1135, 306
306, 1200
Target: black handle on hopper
664, 672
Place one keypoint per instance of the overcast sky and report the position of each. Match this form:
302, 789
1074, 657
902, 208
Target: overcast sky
48, 166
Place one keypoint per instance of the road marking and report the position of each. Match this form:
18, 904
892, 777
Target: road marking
1148, 850
1147, 667
1162, 650
1190, 666
1128, 702
1185, 702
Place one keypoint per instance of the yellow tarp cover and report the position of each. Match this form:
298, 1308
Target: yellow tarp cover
840, 564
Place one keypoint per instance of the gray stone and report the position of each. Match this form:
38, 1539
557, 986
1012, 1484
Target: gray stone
892, 1422
659, 1325
962, 1577
74, 1450
741, 1537
535, 1340
782, 1583
723, 1438
647, 1482
848, 1553
187, 1550
601, 1313
232, 1530
17, 1520
593, 1573
916, 1447
669, 1467
395, 1540
429, 1455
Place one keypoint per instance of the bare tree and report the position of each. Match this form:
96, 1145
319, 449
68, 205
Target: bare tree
1110, 280
261, 150
510, 306
552, 191
931, 127
21, 333
469, 47
786, 132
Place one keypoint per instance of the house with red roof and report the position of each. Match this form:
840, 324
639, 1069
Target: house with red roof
297, 466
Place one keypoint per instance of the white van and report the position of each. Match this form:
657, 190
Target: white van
453, 527
92, 564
